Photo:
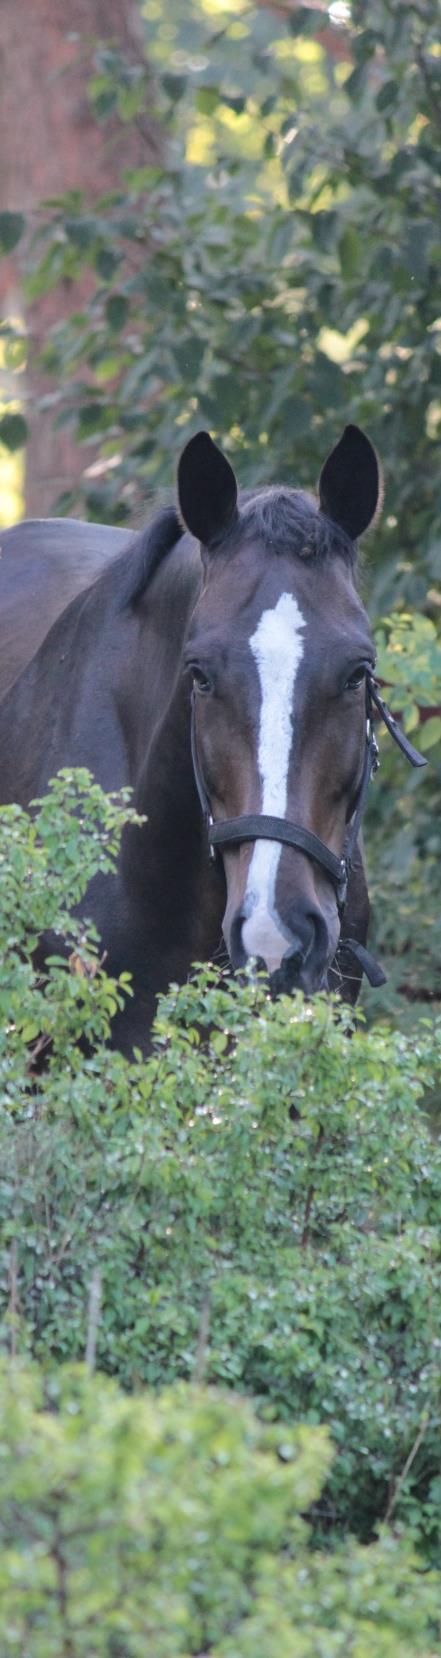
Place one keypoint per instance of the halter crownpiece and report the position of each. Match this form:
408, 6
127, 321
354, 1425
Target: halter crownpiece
234, 831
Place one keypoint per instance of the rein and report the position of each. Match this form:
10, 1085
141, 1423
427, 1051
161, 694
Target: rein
234, 831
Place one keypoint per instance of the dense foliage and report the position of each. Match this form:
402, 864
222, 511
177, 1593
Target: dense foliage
175, 1526
243, 1231
255, 1206
273, 278
230, 283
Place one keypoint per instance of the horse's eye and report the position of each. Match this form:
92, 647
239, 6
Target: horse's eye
356, 678
201, 683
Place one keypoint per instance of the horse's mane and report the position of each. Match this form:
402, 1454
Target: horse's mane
133, 569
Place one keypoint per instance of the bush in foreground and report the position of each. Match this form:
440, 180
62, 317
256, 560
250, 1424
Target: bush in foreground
255, 1206
173, 1526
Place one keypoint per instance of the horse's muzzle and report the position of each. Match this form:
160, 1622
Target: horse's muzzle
300, 971
305, 962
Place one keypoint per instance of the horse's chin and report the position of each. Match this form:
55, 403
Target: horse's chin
283, 980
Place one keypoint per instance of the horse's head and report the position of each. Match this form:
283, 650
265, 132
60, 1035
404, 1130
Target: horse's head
279, 646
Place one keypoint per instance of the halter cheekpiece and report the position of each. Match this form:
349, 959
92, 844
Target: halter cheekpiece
234, 831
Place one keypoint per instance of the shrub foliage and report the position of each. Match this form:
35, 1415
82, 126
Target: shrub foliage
253, 1209
273, 278
241, 1233
175, 1526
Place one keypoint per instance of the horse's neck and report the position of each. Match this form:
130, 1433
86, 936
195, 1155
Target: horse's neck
90, 696
165, 865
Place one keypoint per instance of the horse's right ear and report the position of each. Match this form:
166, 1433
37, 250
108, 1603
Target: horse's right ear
207, 489
350, 483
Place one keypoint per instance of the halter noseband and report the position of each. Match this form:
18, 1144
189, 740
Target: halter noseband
234, 831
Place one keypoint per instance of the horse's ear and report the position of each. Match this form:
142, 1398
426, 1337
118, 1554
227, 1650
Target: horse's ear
350, 483
207, 489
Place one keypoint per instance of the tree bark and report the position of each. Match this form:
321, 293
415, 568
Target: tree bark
50, 143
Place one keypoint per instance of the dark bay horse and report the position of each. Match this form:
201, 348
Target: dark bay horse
221, 664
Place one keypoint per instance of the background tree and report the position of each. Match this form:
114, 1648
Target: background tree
50, 144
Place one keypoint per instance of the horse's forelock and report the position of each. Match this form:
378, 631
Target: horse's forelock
289, 521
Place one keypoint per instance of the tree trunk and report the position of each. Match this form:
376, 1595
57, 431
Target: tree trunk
50, 143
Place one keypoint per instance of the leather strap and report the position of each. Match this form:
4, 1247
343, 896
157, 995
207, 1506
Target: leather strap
369, 966
234, 831
411, 753
237, 829
200, 785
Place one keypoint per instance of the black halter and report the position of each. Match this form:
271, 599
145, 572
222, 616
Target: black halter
233, 831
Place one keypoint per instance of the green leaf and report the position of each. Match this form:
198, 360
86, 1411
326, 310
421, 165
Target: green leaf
92, 418
237, 102
13, 431
429, 734
82, 232
356, 81
207, 99
387, 95
29, 1031
189, 357
323, 229
106, 263
11, 229
303, 21
174, 86
16, 351
117, 309
349, 248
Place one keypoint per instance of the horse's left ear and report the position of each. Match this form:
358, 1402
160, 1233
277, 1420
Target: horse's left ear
207, 489
350, 483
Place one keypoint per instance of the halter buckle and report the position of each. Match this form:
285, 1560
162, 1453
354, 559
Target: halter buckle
372, 743
342, 888
375, 752
212, 852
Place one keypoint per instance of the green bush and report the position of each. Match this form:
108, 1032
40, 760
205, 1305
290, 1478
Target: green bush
174, 1525
294, 286
403, 841
46, 863
260, 1200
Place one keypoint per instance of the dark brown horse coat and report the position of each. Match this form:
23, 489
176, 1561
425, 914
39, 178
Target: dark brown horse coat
102, 634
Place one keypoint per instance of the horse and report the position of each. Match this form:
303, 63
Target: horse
53, 559
218, 662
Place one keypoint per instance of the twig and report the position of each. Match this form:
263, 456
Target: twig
430, 93
13, 1296
93, 1317
201, 1350
61, 1591
393, 1499
309, 1196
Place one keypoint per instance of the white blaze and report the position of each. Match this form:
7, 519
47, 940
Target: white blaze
277, 646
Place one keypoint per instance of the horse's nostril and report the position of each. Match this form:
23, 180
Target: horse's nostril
310, 934
304, 963
237, 950
297, 949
